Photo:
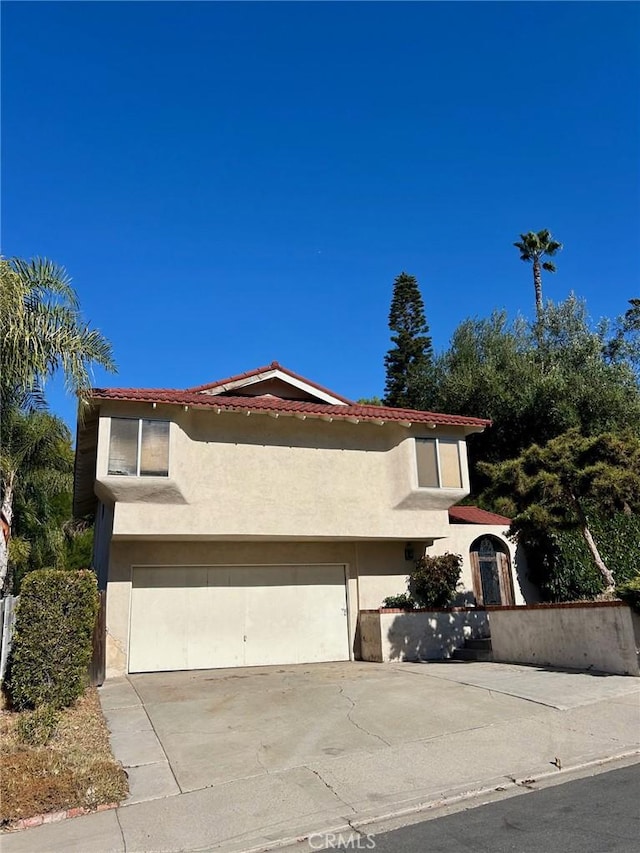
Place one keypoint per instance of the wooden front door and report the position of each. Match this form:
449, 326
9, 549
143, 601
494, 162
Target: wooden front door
491, 573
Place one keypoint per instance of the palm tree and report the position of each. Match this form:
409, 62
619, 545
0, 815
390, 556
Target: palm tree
43, 333
532, 248
36, 468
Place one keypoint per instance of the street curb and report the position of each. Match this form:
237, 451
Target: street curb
511, 786
448, 804
55, 817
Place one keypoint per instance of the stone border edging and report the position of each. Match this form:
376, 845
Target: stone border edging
55, 817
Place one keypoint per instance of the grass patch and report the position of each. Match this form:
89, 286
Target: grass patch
74, 769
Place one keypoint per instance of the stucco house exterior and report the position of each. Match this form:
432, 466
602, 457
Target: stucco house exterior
248, 521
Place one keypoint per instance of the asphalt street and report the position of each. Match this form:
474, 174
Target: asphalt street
594, 815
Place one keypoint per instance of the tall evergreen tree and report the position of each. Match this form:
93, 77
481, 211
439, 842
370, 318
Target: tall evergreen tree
409, 363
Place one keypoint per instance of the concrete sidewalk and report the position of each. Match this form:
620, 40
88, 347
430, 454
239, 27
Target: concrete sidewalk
244, 760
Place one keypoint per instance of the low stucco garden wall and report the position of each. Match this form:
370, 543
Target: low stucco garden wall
599, 636
400, 635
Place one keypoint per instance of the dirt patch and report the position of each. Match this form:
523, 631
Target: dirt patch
75, 769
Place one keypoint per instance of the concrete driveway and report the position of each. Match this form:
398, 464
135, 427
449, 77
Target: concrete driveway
185, 731
251, 759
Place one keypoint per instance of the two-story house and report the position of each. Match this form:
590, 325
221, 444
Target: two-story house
248, 521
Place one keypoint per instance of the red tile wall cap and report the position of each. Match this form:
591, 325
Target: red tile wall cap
278, 406
558, 605
258, 370
470, 609
475, 515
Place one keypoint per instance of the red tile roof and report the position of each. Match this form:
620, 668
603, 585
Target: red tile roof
475, 515
258, 370
276, 405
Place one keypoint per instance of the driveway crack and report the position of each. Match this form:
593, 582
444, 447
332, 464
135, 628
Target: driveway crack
124, 840
333, 791
259, 760
357, 725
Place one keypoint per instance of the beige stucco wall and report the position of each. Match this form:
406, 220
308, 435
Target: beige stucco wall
597, 637
256, 490
424, 635
374, 570
459, 541
233, 476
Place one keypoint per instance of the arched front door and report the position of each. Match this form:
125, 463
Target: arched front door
491, 572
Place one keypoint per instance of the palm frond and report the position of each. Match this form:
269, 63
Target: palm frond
43, 332
41, 276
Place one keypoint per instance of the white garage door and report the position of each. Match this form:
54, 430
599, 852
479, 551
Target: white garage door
203, 617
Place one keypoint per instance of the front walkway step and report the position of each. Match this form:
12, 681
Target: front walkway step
472, 654
483, 644
478, 650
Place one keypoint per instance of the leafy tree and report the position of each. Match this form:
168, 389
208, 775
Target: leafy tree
624, 345
43, 333
79, 546
533, 247
550, 487
534, 381
632, 315
410, 360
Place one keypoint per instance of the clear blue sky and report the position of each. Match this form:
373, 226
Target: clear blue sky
232, 183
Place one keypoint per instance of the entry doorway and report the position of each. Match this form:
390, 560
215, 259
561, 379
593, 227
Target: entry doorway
491, 572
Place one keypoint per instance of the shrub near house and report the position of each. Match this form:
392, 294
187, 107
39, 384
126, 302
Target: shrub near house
432, 583
434, 580
52, 642
55, 753
429, 629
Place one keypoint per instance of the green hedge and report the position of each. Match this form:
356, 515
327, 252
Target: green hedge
561, 565
618, 538
52, 642
629, 592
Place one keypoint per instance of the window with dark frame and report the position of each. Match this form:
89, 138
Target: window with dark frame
139, 447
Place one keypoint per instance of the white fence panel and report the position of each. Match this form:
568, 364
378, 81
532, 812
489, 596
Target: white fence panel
7, 622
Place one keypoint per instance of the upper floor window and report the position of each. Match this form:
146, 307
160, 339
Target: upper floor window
139, 447
438, 462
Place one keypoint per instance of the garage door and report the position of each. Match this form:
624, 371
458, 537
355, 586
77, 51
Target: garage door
202, 617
